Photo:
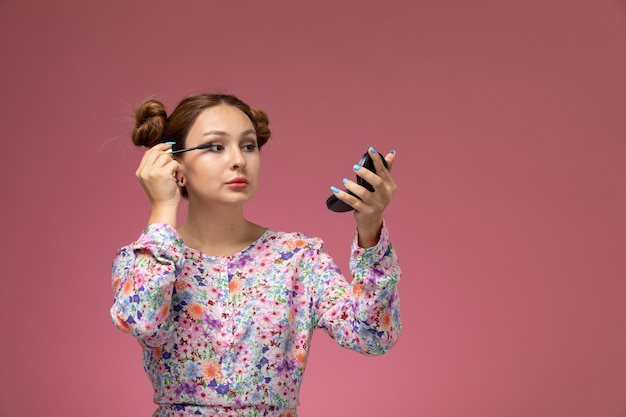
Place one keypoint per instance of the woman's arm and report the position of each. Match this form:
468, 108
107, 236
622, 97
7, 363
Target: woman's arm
365, 315
143, 277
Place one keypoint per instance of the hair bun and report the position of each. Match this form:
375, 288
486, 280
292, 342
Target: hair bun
150, 122
262, 125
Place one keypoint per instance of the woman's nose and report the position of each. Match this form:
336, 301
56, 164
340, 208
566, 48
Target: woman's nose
237, 158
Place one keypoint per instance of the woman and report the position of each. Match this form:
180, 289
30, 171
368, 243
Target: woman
224, 309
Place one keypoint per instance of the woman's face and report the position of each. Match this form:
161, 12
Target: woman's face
228, 171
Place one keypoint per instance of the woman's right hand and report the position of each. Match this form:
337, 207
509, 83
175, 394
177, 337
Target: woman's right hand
157, 175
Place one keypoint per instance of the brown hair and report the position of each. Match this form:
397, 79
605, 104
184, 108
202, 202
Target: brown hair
153, 126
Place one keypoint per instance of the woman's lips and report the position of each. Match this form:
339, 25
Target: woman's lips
238, 183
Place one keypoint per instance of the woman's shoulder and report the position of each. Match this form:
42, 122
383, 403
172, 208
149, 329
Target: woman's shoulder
291, 239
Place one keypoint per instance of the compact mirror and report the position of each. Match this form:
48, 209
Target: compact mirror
335, 204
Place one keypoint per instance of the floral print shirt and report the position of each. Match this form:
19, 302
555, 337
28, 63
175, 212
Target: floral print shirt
230, 336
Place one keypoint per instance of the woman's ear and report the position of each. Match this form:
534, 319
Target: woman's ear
179, 176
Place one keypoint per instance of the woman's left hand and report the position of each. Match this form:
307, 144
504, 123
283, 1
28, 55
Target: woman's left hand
368, 211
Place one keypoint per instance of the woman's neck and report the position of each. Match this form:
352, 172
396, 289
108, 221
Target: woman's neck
219, 231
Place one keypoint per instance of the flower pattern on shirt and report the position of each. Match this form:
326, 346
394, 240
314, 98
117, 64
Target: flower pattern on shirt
231, 335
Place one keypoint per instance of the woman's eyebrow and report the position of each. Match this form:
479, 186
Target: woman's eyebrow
215, 132
222, 133
248, 132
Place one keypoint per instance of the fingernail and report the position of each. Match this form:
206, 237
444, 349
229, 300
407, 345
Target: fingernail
356, 167
372, 150
393, 151
345, 180
170, 143
168, 151
334, 189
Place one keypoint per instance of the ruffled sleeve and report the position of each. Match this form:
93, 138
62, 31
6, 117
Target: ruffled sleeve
143, 277
365, 314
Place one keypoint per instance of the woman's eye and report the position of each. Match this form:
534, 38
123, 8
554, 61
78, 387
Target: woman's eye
214, 147
250, 147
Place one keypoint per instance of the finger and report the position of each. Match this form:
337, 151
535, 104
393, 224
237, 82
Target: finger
364, 173
159, 149
390, 158
364, 197
163, 146
377, 159
344, 196
157, 164
383, 185
156, 156
163, 153
354, 188
375, 180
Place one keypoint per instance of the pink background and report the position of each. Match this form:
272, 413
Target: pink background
510, 220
